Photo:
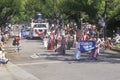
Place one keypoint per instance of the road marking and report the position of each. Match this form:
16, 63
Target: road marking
35, 56
37, 63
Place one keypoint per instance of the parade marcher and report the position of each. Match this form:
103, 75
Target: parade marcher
70, 42
77, 50
79, 34
31, 33
67, 40
74, 41
16, 42
62, 47
62, 32
23, 33
95, 52
86, 36
45, 41
56, 40
67, 29
50, 43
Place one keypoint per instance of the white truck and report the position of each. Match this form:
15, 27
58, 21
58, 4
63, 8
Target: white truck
38, 29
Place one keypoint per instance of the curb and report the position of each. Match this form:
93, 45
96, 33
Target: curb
115, 49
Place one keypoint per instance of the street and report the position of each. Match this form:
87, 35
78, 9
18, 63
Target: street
35, 60
81, 39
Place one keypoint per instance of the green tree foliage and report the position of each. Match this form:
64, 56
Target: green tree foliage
9, 8
92, 10
32, 6
95, 9
80, 8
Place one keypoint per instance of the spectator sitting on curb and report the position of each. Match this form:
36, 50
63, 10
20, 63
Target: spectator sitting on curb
3, 58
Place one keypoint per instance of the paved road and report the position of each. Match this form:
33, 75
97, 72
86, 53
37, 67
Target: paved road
37, 63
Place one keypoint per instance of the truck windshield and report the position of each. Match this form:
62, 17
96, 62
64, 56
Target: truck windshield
39, 26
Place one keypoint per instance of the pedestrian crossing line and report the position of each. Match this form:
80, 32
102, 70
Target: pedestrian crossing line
37, 63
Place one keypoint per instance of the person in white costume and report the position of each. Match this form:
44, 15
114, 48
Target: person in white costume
45, 40
77, 50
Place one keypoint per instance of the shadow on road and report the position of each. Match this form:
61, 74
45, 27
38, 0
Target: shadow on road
102, 58
34, 38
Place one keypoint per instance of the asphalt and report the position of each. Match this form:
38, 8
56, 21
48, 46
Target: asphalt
11, 71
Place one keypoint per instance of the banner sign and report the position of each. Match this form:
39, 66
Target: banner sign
87, 45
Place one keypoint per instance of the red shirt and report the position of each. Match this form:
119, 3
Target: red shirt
17, 38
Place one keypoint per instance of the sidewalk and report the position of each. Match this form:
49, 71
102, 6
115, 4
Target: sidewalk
12, 72
116, 49
4, 74
113, 51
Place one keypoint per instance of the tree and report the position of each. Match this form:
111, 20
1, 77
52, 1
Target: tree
8, 9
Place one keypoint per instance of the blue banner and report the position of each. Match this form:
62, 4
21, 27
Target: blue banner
87, 45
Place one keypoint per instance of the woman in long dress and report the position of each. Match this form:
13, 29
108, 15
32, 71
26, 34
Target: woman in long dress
77, 50
95, 52
50, 43
62, 47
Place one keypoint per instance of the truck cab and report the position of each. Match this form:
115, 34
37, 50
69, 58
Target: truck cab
38, 29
